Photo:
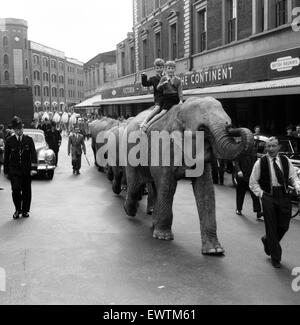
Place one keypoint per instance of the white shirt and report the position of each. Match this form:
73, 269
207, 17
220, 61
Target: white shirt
255, 176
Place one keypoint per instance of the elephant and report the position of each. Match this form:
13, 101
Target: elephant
96, 127
196, 114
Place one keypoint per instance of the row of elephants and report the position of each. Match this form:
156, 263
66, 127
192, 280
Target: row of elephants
196, 114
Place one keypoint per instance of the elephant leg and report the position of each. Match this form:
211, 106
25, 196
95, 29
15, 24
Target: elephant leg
133, 191
163, 212
110, 173
117, 179
205, 199
152, 196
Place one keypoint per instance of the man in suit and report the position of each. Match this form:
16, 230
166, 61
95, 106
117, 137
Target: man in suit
270, 178
76, 146
296, 134
20, 163
53, 138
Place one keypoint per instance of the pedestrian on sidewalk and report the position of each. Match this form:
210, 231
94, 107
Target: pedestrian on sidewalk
20, 163
53, 138
243, 168
76, 146
271, 176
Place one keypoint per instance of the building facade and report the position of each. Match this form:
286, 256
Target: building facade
57, 81
14, 53
245, 53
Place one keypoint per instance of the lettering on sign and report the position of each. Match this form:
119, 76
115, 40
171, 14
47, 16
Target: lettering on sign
285, 64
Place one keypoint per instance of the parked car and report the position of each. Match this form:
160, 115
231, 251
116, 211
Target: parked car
46, 156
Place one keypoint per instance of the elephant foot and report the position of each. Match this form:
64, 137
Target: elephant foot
166, 235
218, 250
116, 188
130, 209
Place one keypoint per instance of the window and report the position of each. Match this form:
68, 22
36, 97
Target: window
173, 42
54, 78
145, 54
5, 41
26, 64
260, 16
143, 8
61, 66
37, 91
45, 62
6, 76
53, 64
45, 76
36, 59
156, 4
36, 75
27, 81
25, 44
281, 12
61, 79
123, 63
232, 20
61, 92
54, 92
158, 45
132, 59
201, 31
46, 91
5, 59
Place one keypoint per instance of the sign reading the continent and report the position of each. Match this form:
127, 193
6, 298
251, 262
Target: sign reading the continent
283, 64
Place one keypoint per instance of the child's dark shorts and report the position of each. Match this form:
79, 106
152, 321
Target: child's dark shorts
170, 101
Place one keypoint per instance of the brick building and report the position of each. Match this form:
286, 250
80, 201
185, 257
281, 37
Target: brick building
244, 53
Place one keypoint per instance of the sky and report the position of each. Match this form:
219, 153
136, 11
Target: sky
80, 28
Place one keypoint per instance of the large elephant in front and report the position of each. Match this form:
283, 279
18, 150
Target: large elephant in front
196, 114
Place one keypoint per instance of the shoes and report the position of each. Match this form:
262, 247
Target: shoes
267, 251
25, 215
16, 215
78, 172
276, 264
74, 172
239, 213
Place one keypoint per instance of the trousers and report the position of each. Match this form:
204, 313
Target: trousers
21, 192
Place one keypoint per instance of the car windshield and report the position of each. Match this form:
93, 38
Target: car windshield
37, 137
285, 146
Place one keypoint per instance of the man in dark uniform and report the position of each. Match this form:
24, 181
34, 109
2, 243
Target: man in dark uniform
76, 146
53, 138
270, 178
20, 163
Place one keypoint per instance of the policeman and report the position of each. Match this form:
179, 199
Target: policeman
20, 163
53, 138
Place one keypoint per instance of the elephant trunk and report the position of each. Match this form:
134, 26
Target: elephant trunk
224, 144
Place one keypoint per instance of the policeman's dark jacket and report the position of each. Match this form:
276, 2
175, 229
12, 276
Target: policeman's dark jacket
265, 181
53, 138
20, 158
154, 82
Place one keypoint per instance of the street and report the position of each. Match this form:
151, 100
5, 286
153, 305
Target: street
79, 247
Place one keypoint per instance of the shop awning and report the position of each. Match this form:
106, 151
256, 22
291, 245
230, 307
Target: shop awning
126, 100
90, 102
289, 86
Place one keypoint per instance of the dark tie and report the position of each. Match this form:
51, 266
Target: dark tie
19, 139
278, 173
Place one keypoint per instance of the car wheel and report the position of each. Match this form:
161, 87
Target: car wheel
50, 174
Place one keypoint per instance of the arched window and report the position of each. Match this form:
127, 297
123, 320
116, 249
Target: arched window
45, 76
54, 92
53, 64
27, 81
45, 62
5, 59
36, 59
6, 76
61, 66
61, 92
5, 41
46, 91
54, 78
37, 91
36, 75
